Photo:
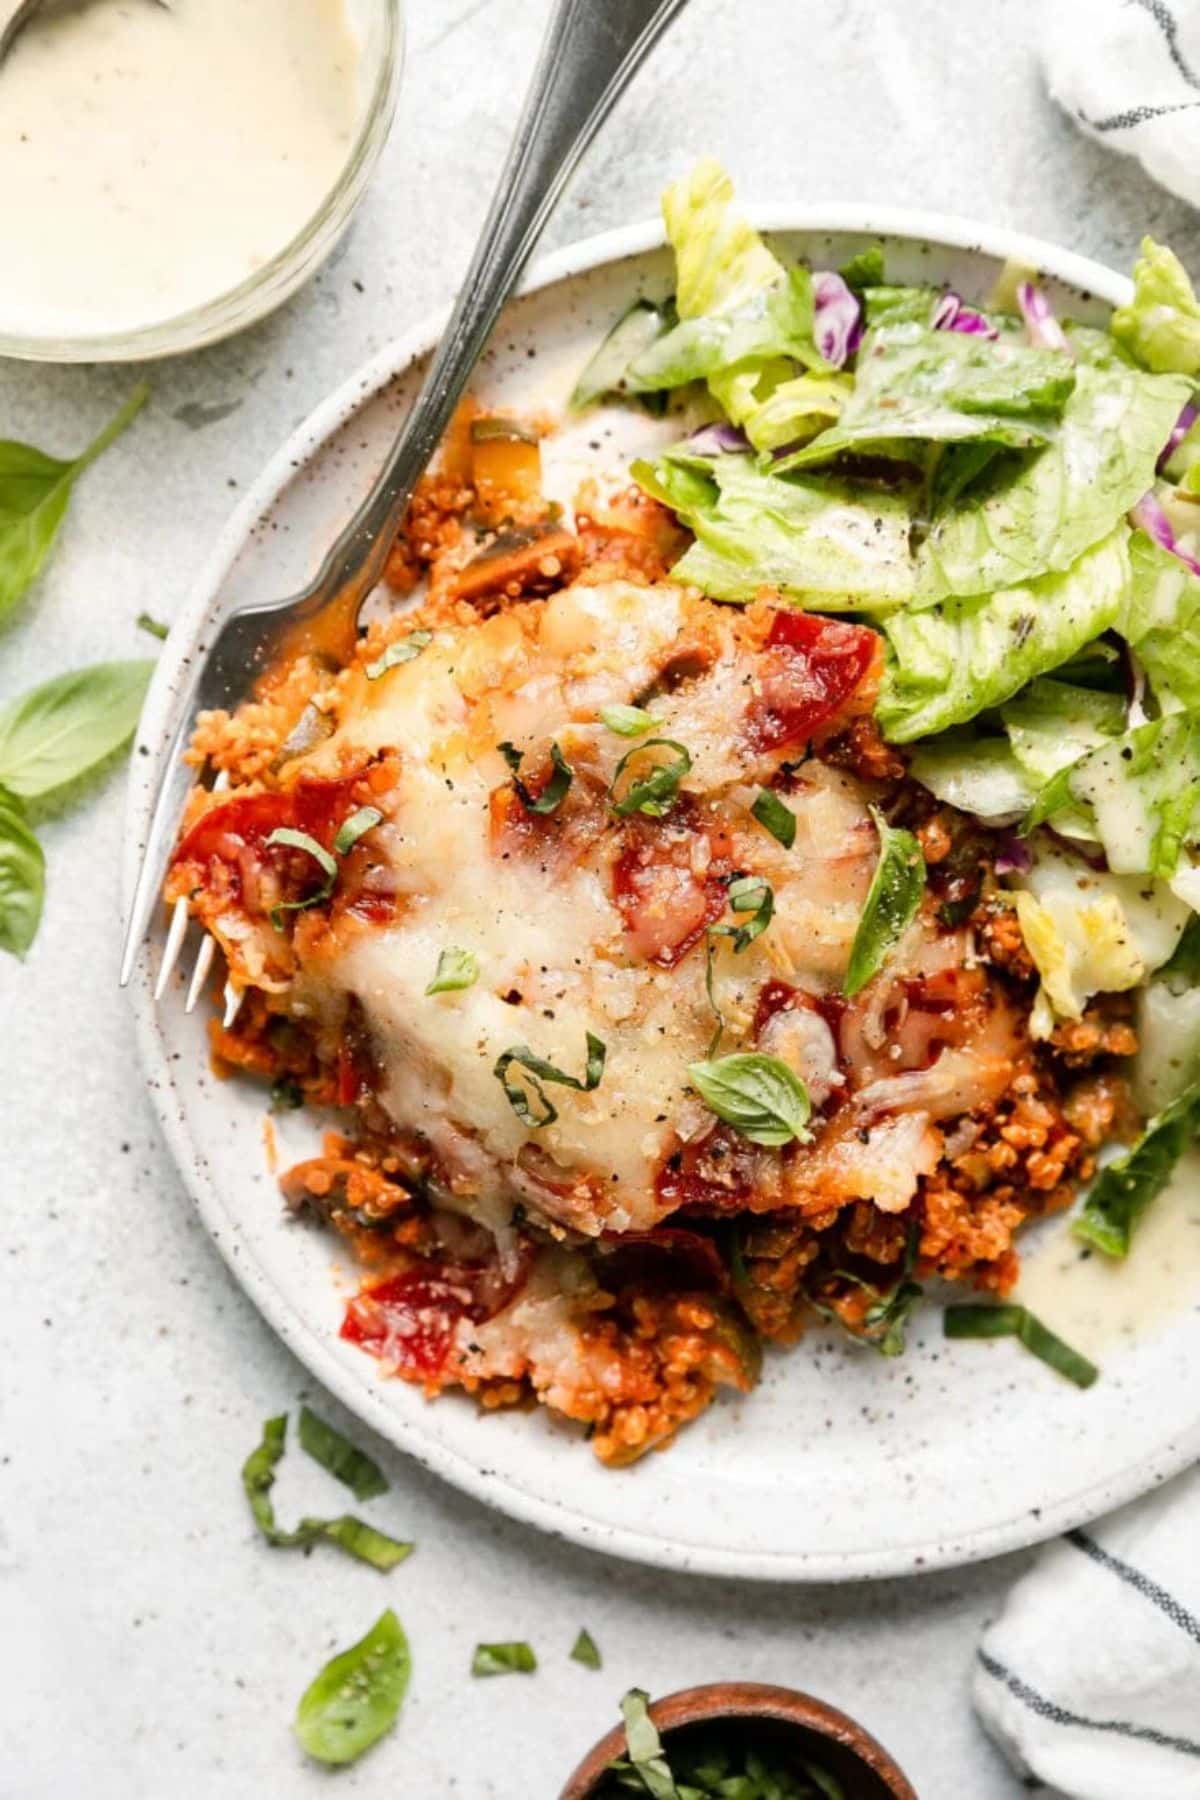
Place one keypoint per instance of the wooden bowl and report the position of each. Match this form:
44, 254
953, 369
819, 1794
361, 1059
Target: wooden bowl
776, 1719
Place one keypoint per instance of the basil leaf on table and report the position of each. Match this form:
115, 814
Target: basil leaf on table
585, 1650
22, 878
352, 1535
758, 1095
356, 1698
892, 902
1124, 1188
155, 627
60, 730
34, 492
503, 1659
344, 1461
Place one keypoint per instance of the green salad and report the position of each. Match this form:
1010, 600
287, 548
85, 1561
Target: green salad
1010, 497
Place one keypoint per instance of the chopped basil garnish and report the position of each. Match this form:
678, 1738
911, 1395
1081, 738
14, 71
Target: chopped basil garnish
538, 1067
749, 893
455, 969
555, 790
352, 1535
644, 1747
351, 829
356, 1698
628, 721
503, 1659
886, 1318
154, 626
895, 895
775, 817
758, 1095
403, 650
585, 1651
292, 839
1017, 1321
344, 1461
718, 1016
286, 1094
653, 793
1124, 1188
706, 1763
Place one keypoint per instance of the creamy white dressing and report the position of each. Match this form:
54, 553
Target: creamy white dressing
152, 158
1095, 1301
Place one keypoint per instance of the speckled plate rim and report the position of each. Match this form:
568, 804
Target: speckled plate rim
310, 1345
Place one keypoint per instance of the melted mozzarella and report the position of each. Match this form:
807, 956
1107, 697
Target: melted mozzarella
555, 954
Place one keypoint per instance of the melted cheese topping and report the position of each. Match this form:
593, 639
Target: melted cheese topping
537, 908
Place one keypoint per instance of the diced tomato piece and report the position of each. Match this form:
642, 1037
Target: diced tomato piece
247, 820
812, 673
409, 1320
669, 883
714, 1175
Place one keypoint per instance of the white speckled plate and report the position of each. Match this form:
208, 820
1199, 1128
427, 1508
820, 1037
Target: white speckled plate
841, 1464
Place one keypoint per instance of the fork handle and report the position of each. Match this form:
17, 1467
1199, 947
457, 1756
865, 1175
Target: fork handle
591, 50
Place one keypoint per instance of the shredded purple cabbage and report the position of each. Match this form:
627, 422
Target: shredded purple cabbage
1150, 517
837, 318
1044, 329
1179, 431
1014, 857
718, 439
952, 314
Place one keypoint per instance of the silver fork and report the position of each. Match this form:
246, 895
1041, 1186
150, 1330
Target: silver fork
591, 50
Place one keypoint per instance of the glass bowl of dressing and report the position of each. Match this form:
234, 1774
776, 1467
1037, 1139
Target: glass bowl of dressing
174, 169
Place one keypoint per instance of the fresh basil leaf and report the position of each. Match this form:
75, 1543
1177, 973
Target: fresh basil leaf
289, 838
985, 1321
645, 1747
455, 969
22, 878
356, 1698
351, 829
555, 790
540, 1070
1124, 1188
155, 627
62, 729
503, 1659
352, 1535
892, 903
34, 492
758, 1095
584, 1651
403, 650
347, 1464
655, 792
749, 893
628, 721
775, 817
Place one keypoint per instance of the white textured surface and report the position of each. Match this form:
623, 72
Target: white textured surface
147, 1643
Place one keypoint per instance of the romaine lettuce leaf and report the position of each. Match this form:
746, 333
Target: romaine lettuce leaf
1168, 1059
1091, 932
845, 547
1025, 516
1142, 791
1161, 324
1125, 1187
947, 663
736, 301
945, 387
775, 407
1053, 723
977, 775
1162, 622
891, 305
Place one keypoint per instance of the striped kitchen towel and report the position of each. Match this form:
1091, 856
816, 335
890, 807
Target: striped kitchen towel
1128, 71
1090, 1678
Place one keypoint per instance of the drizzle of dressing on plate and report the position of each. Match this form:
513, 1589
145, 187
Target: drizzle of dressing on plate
1095, 1301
